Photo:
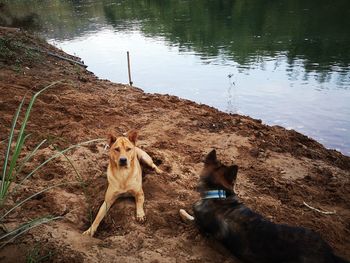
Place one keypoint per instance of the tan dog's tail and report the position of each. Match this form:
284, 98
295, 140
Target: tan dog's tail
186, 217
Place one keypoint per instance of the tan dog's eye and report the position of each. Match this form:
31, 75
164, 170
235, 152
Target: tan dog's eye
117, 149
128, 149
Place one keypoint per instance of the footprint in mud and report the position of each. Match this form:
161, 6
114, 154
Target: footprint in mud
47, 176
78, 117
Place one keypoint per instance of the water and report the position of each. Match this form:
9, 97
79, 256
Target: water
285, 62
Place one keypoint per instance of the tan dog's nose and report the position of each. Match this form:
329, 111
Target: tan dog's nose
123, 161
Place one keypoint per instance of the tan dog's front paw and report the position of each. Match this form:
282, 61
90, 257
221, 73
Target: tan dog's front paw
158, 171
141, 218
89, 232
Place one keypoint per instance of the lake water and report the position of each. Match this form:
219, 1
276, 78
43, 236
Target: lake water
285, 62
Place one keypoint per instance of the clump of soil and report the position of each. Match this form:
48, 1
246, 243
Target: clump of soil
279, 169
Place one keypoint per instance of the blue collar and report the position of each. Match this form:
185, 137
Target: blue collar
215, 194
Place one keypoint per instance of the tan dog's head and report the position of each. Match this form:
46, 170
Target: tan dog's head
122, 149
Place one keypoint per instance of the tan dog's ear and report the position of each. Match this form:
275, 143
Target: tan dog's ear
132, 136
111, 139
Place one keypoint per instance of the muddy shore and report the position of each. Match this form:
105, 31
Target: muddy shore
279, 169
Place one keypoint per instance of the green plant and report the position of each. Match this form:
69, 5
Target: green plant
8, 168
5, 50
11, 168
39, 253
17, 53
13, 234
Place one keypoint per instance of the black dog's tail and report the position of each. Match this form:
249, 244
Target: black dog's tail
339, 259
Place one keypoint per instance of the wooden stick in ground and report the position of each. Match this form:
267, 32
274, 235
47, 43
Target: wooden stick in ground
318, 210
129, 72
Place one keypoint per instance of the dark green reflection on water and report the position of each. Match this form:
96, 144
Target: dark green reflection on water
244, 31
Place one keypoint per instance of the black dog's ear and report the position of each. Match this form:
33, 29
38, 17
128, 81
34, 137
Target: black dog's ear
211, 157
231, 174
111, 139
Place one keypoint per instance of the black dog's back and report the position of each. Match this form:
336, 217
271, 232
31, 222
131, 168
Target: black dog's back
252, 238
248, 235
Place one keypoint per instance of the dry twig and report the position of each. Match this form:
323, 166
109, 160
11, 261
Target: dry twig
318, 210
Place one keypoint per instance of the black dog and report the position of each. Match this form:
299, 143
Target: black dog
248, 235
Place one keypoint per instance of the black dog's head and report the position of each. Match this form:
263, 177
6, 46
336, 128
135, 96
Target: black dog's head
217, 176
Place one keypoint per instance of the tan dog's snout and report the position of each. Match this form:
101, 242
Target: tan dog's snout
123, 161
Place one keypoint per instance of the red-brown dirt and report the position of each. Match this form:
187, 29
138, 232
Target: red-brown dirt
279, 169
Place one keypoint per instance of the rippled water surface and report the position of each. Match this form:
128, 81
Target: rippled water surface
285, 62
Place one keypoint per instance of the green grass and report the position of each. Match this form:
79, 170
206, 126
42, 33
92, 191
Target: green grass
17, 54
12, 167
5, 50
39, 254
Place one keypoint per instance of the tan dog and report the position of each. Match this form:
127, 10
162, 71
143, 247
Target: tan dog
124, 176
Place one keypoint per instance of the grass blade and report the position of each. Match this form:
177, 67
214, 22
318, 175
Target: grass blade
23, 226
9, 177
20, 138
80, 179
7, 154
4, 140
30, 197
29, 156
27, 227
55, 156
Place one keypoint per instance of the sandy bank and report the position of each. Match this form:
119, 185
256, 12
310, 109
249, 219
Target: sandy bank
279, 169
